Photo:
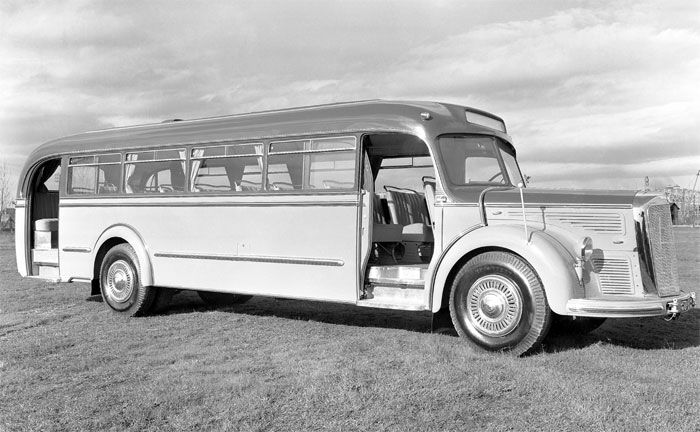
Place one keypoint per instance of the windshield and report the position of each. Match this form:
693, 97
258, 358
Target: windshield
474, 160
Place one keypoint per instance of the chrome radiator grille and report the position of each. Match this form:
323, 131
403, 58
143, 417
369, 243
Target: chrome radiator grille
614, 275
661, 258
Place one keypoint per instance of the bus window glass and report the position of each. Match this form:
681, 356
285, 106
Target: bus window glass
335, 143
511, 165
404, 172
319, 163
109, 158
81, 180
220, 169
334, 170
161, 171
287, 146
284, 171
108, 179
211, 177
251, 180
471, 160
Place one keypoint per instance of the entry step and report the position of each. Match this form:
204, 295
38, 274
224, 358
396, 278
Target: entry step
45, 257
394, 297
398, 275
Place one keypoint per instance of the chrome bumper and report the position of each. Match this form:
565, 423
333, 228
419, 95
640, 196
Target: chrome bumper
630, 308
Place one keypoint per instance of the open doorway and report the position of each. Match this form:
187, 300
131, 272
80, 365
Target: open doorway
43, 217
401, 190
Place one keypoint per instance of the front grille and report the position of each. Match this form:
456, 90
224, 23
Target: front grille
614, 275
659, 251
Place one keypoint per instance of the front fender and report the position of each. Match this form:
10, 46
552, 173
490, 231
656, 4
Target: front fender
551, 261
129, 234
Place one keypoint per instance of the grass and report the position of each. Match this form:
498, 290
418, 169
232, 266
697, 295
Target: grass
67, 363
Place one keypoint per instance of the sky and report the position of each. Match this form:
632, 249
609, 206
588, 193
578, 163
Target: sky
596, 94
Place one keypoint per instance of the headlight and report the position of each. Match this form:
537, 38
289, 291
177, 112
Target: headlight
586, 248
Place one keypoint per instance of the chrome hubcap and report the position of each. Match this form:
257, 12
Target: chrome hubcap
120, 281
494, 305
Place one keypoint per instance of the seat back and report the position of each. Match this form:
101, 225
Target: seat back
407, 206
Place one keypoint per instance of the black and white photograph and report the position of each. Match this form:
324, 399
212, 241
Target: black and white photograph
349, 215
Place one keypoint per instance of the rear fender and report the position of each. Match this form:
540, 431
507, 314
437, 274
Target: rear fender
131, 236
551, 261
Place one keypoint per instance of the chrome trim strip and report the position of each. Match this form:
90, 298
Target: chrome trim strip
218, 204
79, 279
554, 204
255, 258
77, 249
620, 310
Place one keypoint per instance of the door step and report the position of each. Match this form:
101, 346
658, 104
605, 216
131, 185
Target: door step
398, 275
45, 264
45, 257
393, 297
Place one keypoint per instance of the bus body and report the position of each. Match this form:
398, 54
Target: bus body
404, 205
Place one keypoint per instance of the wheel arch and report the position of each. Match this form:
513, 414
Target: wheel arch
552, 263
118, 234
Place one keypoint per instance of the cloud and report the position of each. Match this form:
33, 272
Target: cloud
581, 88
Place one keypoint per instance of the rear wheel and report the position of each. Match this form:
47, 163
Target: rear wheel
120, 282
217, 298
497, 303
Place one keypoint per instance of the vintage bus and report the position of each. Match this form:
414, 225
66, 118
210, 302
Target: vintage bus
403, 205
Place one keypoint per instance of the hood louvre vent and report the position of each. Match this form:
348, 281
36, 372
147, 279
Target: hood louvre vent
602, 223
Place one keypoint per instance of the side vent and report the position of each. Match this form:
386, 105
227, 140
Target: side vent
614, 275
603, 223
600, 223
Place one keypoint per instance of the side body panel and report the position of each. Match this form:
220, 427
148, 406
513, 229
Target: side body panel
299, 246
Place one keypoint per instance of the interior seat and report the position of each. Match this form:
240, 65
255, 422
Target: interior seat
382, 230
408, 209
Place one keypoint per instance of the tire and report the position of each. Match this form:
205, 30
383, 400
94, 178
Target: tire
566, 325
497, 303
218, 299
120, 282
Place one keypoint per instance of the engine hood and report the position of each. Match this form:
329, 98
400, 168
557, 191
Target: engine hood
549, 197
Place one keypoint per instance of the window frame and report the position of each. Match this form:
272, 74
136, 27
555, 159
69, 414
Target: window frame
174, 148
95, 163
496, 142
188, 147
308, 140
226, 144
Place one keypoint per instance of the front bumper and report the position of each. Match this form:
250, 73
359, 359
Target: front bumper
631, 308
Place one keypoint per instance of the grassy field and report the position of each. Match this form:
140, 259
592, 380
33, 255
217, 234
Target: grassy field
68, 363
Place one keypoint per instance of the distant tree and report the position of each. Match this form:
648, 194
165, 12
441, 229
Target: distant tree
5, 193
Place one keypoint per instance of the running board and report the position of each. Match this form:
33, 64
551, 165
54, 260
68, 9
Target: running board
394, 297
398, 275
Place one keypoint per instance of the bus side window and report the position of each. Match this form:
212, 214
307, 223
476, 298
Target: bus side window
155, 171
81, 180
230, 168
313, 164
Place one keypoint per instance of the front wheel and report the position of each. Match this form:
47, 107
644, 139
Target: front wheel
497, 303
120, 282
